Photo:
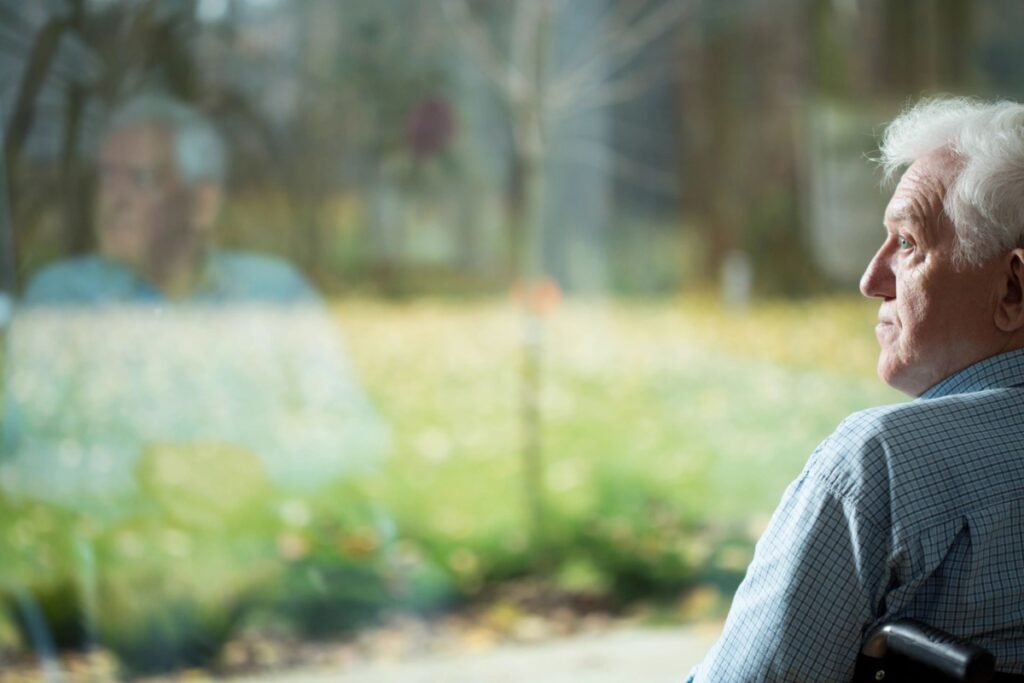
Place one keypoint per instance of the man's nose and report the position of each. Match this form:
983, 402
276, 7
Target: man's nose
879, 280
112, 184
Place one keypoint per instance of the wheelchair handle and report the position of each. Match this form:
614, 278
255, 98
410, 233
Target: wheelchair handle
944, 652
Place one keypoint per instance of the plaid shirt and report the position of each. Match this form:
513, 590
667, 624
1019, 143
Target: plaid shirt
103, 369
910, 510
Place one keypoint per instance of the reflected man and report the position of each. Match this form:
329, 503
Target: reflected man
913, 510
160, 345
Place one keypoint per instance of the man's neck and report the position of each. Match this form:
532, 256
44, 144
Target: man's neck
179, 276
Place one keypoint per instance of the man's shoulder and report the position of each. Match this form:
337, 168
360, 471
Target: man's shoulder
248, 275
77, 280
902, 452
853, 455
942, 420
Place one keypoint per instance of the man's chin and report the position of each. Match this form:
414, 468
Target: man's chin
885, 332
901, 378
119, 250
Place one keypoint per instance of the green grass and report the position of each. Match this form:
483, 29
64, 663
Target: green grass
669, 431
711, 413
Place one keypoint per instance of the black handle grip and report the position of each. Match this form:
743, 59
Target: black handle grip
944, 652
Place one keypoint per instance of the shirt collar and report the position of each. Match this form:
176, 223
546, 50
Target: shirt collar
140, 288
1004, 370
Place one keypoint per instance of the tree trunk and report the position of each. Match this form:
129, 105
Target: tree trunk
527, 214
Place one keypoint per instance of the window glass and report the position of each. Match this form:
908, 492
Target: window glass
336, 331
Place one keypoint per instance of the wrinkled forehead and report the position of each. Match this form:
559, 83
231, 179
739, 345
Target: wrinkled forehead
920, 194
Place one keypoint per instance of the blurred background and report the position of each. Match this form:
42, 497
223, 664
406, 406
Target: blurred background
588, 270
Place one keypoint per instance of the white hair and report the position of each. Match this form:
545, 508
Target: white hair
199, 150
986, 200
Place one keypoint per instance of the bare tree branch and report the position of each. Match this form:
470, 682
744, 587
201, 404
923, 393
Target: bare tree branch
524, 30
628, 39
621, 89
619, 44
38, 64
604, 28
597, 154
510, 82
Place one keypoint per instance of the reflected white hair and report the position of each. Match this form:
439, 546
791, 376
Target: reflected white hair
986, 200
199, 150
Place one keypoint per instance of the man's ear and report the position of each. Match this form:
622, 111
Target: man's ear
206, 201
1009, 315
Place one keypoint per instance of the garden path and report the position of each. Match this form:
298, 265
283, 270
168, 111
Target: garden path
653, 655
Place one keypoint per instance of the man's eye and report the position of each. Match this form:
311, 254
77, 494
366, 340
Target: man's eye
904, 243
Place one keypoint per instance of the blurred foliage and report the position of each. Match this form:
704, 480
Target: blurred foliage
666, 428
206, 548
670, 437
385, 109
636, 539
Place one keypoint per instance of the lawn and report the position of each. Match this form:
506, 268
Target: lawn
668, 431
674, 406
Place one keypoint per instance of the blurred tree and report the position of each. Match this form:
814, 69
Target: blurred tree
742, 87
539, 93
922, 48
926, 44
66, 62
749, 89
318, 98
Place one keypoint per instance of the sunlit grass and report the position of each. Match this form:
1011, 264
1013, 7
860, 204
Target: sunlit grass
668, 431
715, 411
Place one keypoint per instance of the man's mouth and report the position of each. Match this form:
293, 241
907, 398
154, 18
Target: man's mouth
886, 315
885, 330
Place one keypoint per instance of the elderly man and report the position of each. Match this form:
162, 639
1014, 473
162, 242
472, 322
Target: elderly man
161, 171
917, 509
162, 349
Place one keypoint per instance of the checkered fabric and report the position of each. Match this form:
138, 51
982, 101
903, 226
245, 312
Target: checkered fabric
910, 510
